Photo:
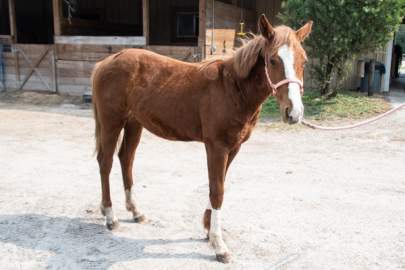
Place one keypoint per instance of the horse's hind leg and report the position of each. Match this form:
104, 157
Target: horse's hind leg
132, 136
109, 138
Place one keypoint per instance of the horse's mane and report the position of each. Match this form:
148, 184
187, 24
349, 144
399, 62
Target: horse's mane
246, 56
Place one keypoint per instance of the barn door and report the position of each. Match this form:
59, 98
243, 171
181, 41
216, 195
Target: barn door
36, 67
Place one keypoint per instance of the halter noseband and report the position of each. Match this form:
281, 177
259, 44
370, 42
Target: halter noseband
273, 86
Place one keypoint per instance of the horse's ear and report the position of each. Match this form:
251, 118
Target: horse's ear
304, 31
265, 28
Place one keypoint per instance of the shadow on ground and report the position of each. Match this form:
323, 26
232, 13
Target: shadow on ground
75, 243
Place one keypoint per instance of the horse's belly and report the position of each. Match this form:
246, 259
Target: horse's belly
171, 132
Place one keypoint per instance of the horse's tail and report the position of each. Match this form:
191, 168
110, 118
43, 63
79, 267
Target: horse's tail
96, 117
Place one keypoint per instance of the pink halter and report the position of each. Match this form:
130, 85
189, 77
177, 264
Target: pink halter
274, 87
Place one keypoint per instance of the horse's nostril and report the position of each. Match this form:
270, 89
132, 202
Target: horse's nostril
292, 120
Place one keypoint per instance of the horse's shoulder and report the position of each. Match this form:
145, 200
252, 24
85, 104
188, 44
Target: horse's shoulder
214, 69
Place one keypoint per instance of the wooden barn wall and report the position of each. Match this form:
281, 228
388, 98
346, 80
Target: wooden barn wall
226, 24
74, 64
162, 26
33, 52
270, 8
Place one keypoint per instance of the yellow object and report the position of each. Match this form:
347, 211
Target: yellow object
241, 33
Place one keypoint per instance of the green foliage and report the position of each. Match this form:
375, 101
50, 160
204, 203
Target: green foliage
342, 29
345, 105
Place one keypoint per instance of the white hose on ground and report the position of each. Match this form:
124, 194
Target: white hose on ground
368, 121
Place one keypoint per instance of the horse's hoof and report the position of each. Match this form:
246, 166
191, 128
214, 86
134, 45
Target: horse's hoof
140, 219
224, 258
113, 226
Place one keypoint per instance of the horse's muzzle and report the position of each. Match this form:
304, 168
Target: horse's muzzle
292, 118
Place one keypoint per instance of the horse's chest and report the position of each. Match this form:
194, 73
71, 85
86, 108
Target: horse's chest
240, 132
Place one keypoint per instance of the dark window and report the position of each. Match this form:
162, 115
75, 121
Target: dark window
4, 18
187, 24
173, 22
34, 21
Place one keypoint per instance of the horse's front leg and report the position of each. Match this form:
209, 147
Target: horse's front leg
217, 157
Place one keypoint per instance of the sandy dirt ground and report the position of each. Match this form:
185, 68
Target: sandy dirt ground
295, 198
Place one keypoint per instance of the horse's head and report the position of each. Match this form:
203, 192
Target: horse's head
285, 61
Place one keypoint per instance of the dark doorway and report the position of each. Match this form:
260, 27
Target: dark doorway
102, 17
34, 21
4, 18
174, 22
397, 78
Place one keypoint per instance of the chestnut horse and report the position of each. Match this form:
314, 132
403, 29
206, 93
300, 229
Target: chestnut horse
216, 102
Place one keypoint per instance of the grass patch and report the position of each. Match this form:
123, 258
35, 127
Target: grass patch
346, 105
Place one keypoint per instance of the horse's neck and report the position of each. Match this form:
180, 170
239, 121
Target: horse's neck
253, 90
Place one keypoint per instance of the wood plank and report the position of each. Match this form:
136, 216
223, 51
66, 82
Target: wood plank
73, 90
5, 39
145, 20
56, 17
221, 36
82, 56
13, 25
202, 28
54, 71
74, 68
74, 81
61, 48
101, 40
32, 49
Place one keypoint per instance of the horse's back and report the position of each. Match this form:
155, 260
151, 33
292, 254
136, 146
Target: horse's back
161, 93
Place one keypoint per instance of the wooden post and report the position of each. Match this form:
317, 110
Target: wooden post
145, 20
13, 25
13, 33
202, 28
54, 71
57, 7
16, 63
56, 17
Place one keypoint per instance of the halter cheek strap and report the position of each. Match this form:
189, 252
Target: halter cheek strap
274, 87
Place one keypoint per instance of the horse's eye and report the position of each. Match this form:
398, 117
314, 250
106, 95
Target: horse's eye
273, 62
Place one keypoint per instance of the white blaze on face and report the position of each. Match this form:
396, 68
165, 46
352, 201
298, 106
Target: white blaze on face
294, 92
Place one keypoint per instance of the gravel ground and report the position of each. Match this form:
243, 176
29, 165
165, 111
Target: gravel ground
295, 198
